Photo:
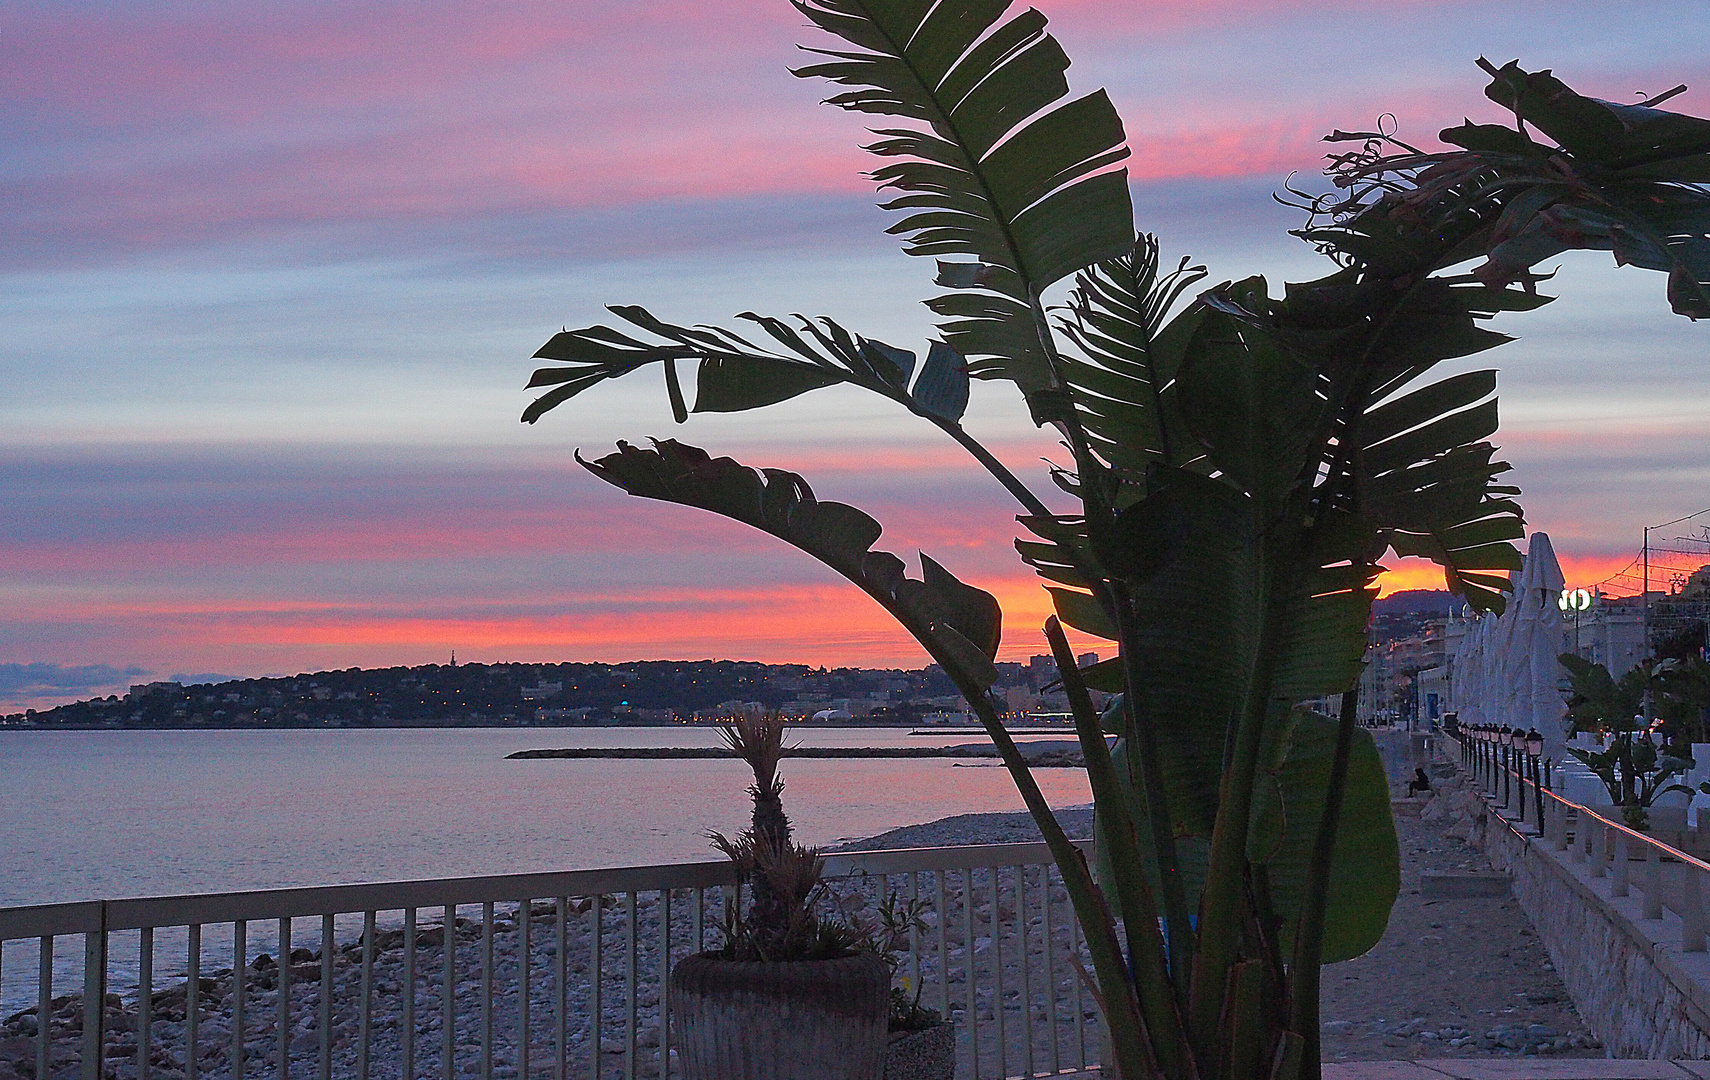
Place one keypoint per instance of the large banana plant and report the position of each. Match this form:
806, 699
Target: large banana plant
1241, 462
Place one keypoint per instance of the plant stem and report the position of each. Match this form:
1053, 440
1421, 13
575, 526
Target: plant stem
1309, 931
1177, 924
1225, 879
1134, 896
1022, 493
1128, 1031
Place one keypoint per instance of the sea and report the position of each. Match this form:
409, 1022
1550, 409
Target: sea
110, 814
88, 815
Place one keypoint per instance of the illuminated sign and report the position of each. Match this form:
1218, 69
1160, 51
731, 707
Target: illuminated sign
1574, 600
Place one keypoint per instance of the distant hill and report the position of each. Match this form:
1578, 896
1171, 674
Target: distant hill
483, 695
1417, 602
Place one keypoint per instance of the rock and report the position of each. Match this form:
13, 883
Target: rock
1337, 1027
929, 1054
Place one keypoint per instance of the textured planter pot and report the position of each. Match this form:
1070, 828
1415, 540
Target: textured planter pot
929, 1054
808, 1020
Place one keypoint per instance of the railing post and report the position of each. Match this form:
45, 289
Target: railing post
1691, 910
1619, 888
1596, 846
44, 1004
1653, 881
94, 999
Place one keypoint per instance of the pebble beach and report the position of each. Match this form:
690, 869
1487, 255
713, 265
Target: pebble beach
1451, 978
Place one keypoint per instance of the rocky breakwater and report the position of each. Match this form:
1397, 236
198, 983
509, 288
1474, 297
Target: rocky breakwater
1042, 753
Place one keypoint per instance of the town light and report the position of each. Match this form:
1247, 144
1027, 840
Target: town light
1534, 742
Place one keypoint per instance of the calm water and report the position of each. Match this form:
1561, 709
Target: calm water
105, 814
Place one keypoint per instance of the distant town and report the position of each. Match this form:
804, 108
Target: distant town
647, 692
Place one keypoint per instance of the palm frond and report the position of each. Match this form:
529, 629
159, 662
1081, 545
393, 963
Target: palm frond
960, 625
1002, 169
734, 374
1428, 481
1124, 380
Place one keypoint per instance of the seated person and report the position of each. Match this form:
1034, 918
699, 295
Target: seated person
1419, 785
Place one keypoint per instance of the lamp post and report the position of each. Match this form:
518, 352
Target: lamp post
1517, 739
1534, 750
1490, 751
1523, 759
1517, 752
1488, 746
1507, 749
1484, 773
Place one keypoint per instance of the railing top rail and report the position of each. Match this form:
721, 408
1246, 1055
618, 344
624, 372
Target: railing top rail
1616, 825
44, 920
198, 908
1633, 833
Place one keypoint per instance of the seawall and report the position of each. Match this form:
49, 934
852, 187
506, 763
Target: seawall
1640, 993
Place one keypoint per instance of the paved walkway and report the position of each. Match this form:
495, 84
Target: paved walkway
1487, 1069
1533, 1069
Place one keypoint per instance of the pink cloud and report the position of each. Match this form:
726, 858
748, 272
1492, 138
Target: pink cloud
151, 129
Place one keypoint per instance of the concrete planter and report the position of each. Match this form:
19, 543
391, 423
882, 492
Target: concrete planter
807, 1020
928, 1054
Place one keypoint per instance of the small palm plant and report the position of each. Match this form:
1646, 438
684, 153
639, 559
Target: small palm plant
783, 878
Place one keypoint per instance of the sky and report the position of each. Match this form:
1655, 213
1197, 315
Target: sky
272, 271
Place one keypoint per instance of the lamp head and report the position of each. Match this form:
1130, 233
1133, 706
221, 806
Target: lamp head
1534, 742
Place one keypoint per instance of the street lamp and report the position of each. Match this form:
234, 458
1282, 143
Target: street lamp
1486, 738
1534, 749
1504, 751
1517, 745
1491, 772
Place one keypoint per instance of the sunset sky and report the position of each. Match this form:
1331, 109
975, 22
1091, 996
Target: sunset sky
271, 272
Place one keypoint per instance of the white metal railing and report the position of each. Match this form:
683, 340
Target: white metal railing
528, 976
1672, 880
